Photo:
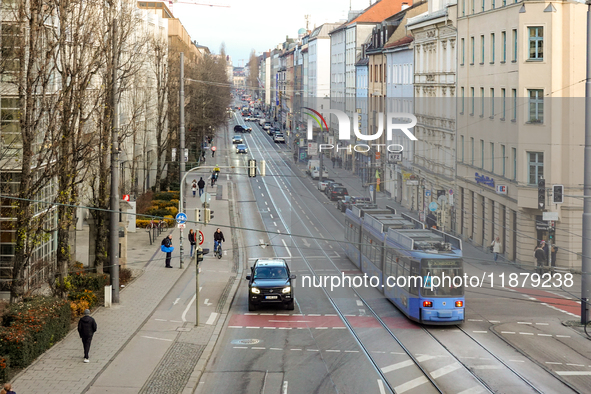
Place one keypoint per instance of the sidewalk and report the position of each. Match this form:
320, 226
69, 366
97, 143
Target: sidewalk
120, 361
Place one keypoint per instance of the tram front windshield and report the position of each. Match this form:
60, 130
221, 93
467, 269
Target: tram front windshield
445, 270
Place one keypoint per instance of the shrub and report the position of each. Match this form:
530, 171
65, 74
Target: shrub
167, 196
124, 276
143, 202
31, 327
78, 307
90, 281
4, 369
84, 295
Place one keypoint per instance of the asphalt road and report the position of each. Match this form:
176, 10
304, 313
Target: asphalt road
348, 340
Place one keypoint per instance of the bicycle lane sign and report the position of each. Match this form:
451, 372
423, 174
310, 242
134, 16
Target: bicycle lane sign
181, 218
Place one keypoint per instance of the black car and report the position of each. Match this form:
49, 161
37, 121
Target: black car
338, 193
241, 129
270, 282
274, 130
330, 186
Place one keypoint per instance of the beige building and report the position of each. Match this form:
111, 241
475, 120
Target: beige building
521, 68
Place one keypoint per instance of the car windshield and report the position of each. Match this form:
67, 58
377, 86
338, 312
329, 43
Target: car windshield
270, 273
241, 146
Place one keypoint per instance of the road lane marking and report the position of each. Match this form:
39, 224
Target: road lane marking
334, 351
284, 391
271, 215
552, 362
562, 336
275, 224
176, 301
573, 373
286, 248
404, 364
189, 306
411, 384
257, 348
275, 348
473, 390
160, 339
212, 318
479, 332
445, 370
240, 347
507, 332
234, 326
359, 303
160, 320
487, 367
526, 333
545, 335
524, 322
575, 365
381, 386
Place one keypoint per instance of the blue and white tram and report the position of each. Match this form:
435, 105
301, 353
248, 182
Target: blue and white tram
373, 235
427, 255
353, 223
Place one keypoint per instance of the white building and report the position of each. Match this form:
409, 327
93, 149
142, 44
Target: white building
319, 61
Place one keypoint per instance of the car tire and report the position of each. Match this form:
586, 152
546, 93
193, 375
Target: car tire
290, 306
251, 306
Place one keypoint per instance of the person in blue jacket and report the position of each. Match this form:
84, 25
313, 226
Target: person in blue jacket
167, 248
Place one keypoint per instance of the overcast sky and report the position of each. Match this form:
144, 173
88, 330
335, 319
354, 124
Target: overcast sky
256, 24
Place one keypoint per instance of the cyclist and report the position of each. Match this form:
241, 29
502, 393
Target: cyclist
214, 175
218, 238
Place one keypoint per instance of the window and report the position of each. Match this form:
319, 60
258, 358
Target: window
492, 47
472, 98
472, 49
483, 1
504, 44
473, 1
536, 105
482, 49
504, 3
385, 75
503, 159
536, 43
472, 148
503, 96
492, 103
462, 55
481, 102
492, 4
535, 167
492, 157
514, 151
514, 92
462, 102
463, 7
514, 45
462, 144
482, 154
381, 78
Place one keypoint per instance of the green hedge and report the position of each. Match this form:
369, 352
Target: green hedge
31, 327
89, 281
166, 196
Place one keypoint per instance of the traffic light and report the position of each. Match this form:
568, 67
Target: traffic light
557, 194
198, 215
207, 216
252, 168
541, 193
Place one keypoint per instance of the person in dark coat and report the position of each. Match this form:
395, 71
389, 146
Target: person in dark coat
167, 243
546, 250
201, 186
541, 258
192, 240
86, 329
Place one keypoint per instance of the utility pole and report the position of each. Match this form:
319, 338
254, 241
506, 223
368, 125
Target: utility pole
586, 251
114, 222
182, 144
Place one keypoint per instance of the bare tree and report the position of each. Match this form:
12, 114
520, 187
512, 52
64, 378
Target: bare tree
161, 69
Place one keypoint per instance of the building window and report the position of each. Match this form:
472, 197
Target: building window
492, 4
462, 55
535, 167
472, 149
482, 49
482, 154
536, 105
503, 158
473, 1
504, 43
483, 1
514, 92
492, 103
492, 157
503, 96
492, 47
536, 43
481, 102
514, 45
462, 142
472, 50
462, 102
472, 102
514, 151
504, 3
463, 7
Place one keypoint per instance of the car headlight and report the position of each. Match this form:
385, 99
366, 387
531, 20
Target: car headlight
254, 290
286, 290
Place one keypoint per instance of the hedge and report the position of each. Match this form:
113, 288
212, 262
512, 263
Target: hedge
166, 196
31, 327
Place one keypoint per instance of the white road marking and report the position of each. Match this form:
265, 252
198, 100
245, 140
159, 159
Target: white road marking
189, 306
545, 335
494, 321
234, 326
445, 370
562, 336
160, 320
552, 362
404, 364
359, 303
542, 324
271, 215
479, 332
286, 248
507, 332
240, 347
269, 328
487, 367
206, 302
212, 318
275, 348
411, 384
312, 350
575, 365
275, 224
381, 386
524, 322
351, 351
474, 320
473, 390
295, 349
176, 301
160, 339
517, 361
284, 389
334, 351
262, 195
257, 348
267, 204
573, 373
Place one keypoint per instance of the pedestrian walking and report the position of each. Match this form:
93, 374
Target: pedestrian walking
167, 248
333, 160
7, 389
194, 189
553, 253
201, 186
212, 153
545, 248
192, 241
541, 258
86, 329
496, 247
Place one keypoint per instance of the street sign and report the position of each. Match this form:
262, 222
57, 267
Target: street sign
427, 193
181, 225
433, 206
213, 148
181, 218
547, 216
201, 238
502, 189
451, 192
312, 148
205, 197
126, 197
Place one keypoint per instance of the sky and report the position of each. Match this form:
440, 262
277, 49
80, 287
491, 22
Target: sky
256, 24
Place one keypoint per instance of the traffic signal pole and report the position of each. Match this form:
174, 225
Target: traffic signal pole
586, 250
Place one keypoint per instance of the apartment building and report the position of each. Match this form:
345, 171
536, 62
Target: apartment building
521, 68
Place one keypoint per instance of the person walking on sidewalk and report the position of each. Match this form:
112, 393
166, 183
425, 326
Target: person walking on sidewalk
192, 241
86, 329
167, 248
7, 389
194, 189
497, 247
333, 160
201, 186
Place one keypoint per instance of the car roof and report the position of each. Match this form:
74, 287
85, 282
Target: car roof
270, 263
244, 145
237, 136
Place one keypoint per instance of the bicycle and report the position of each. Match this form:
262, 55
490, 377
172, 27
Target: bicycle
161, 225
218, 249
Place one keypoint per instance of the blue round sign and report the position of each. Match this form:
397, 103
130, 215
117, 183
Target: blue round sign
427, 192
433, 206
181, 218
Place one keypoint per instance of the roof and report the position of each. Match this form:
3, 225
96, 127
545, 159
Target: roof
270, 262
379, 11
363, 62
323, 30
403, 41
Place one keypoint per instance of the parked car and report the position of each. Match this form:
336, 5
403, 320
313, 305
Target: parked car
274, 130
270, 282
338, 193
349, 201
237, 139
267, 126
322, 185
278, 137
330, 186
242, 129
315, 173
241, 148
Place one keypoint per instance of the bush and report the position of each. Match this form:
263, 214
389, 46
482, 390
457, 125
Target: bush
143, 202
90, 281
85, 295
124, 276
166, 196
4, 369
31, 327
78, 307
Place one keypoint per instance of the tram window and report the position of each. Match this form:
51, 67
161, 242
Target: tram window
451, 269
404, 269
414, 271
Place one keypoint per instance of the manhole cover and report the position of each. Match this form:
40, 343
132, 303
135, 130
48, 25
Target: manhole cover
245, 341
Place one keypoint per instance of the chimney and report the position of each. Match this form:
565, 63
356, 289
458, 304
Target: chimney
404, 6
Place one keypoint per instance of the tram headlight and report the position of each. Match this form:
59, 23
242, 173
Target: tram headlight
459, 304
427, 304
